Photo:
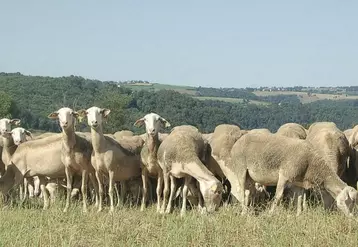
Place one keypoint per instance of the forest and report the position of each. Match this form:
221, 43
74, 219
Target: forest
32, 98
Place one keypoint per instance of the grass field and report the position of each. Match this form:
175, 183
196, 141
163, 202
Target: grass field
232, 100
30, 226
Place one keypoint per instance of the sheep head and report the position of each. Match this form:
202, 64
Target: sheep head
212, 195
153, 123
66, 117
95, 115
5, 125
19, 135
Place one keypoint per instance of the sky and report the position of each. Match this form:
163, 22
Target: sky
190, 42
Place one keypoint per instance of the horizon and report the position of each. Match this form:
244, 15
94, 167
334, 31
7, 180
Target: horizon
203, 43
95, 79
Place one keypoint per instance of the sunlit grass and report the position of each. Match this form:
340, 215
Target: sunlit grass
29, 225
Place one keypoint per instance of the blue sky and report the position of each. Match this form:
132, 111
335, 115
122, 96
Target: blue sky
203, 42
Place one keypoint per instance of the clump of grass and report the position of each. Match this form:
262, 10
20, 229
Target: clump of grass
26, 225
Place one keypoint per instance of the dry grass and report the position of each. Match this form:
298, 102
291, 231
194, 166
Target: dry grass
30, 226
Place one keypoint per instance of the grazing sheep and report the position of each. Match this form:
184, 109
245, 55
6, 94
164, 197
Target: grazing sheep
278, 160
75, 153
293, 130
150, 167
180, 155
352, 172
222, 141
109, 157
332, 144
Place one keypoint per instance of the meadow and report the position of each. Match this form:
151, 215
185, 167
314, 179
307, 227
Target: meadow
29, 225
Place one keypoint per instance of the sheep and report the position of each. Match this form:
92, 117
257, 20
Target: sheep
150, 167
332, 144
120, 134
351, 174
292, 130
180, 155
29, 161
8, 143
222, 141
263, 130
279, 160
108, 156
75, 153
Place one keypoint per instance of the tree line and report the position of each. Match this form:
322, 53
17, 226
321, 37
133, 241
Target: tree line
32, 98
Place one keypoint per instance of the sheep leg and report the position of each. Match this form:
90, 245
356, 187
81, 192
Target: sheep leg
42, 181
116, 184
165, 191
159, 190
100, 191
30, 187
123, 185
185, 194
21, 190
69, 178
240, 188
25, 189
145, 188
304, 201
172, 193
282, 180
95, 187
84, 190
110, 190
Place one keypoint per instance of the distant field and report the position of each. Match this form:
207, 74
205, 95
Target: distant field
304, 98
231, 100
157, 86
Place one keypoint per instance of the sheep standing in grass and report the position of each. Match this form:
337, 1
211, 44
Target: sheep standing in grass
153, 123
181, 155
40, 158
109, 157
75, 153
278, 160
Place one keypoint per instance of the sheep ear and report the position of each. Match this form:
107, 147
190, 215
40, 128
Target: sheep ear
28, 133
82, 113
75, 114
53, 115
7, 133
105, 112
139, 122
165, 123
15, 121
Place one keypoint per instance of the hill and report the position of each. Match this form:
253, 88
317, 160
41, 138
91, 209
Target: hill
32, 98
